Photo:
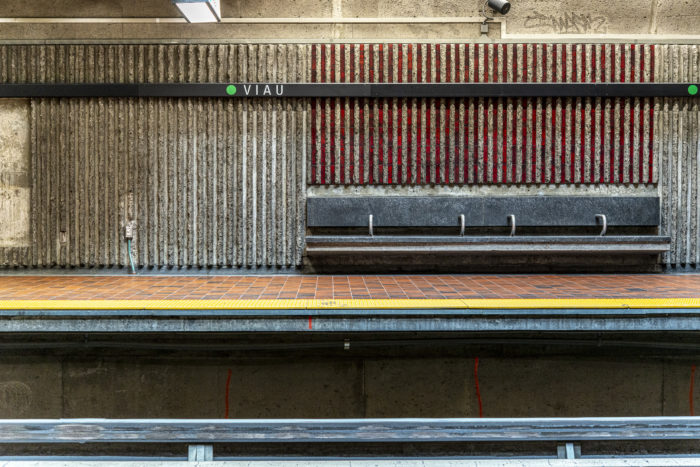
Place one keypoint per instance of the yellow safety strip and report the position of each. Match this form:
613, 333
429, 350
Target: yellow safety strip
316, 304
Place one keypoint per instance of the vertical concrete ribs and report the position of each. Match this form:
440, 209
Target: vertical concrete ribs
221, 183
482, 141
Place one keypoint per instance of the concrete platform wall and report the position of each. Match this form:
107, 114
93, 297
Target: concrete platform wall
678, 142
15, 187
55, 387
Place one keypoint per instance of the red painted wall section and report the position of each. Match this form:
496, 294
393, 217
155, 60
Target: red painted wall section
481, 141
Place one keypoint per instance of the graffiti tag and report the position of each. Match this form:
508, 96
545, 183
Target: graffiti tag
568, 23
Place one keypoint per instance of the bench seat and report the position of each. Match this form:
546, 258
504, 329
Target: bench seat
334, 223
435, 244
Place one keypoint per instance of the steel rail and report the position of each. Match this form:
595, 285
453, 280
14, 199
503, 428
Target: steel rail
96, 320
419, 430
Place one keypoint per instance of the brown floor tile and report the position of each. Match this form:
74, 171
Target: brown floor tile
359, 287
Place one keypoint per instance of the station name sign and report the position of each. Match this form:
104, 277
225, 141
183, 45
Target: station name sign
362, 90
256, 90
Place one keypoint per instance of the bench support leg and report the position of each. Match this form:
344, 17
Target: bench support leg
200, 452
569, 451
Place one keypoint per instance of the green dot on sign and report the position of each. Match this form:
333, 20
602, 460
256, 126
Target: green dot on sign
692, 89
230, 89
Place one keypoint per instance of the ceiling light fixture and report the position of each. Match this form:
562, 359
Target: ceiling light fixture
199, 11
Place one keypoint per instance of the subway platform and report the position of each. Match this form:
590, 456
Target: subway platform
216, 320
376, 303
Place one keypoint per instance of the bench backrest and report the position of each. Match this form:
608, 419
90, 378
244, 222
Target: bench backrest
444, 211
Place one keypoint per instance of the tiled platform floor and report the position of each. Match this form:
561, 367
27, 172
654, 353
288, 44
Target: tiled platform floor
348, 287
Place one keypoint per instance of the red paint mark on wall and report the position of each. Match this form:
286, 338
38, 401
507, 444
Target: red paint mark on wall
476, 385
228, 385
690, 391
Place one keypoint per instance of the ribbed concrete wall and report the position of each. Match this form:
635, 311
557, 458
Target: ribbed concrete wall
222, 182
209, 182
678, 144
203, 184
477, 141
152, 63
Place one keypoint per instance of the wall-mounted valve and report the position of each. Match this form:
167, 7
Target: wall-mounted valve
129, 229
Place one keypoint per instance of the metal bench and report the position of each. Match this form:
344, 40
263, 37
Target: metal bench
484, 225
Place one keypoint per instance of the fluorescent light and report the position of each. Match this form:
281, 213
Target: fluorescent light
199, 11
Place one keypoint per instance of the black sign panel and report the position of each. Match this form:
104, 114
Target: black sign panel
367, 90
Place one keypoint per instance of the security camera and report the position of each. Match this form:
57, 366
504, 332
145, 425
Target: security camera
501, 6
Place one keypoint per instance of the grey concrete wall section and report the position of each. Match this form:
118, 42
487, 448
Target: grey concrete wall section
31, 386
253, 31
677, 138
14, 178
550, 17
208, 182
313, 387
419, 388
152, 389
203, 180
586, 388
136, 8
556, 18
